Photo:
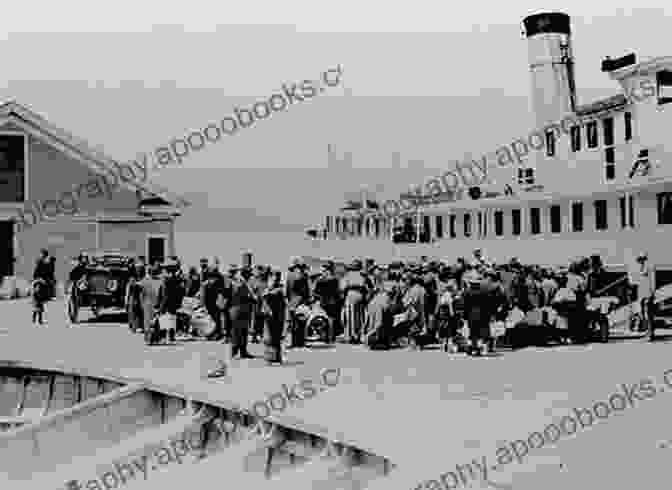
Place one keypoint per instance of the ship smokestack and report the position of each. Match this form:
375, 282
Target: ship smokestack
551, 65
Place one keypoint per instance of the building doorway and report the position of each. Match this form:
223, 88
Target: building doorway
156, 249
6, 248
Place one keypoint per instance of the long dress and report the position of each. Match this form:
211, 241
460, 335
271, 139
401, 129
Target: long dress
354, 310
379, 320
149, 297
274, 306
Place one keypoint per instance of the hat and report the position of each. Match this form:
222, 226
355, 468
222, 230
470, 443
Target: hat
355, 265
246, 271
642, 256
295, 262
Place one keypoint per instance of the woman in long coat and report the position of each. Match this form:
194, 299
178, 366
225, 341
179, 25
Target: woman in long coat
149, 296
354, 311
274, 306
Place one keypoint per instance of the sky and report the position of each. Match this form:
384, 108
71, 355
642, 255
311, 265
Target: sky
429, 82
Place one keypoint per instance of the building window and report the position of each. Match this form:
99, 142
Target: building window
376, 223
360, 225
664, 86
624, 212
327, 226
577, 216
452, 219
556, 221
426, 225
481, 229
631, 206
628, 126
535, 221
550, 143
515, 222
467, 225
608, 131
600, 214
439, 227
499, 223
12, 168
664, 208
576, 138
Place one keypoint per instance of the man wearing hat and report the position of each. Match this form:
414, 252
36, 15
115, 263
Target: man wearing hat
258, 283
240, 313
149, 298
643, 278
297, 291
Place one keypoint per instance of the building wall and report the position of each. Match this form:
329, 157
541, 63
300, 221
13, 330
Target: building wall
131, 238
50, 173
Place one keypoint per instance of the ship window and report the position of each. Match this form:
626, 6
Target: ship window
467, 225
591, 134
576, 138
600, 214
664, 208
664, 82
628, 126
555, 219
499, 223
535, 221
610, 171
550, 143
608, 131
452, 219
624, 211
610, 155
515, 221
577, 216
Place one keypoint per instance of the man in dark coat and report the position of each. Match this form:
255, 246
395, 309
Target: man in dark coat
240, 311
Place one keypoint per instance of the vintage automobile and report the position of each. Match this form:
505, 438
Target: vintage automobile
103, 285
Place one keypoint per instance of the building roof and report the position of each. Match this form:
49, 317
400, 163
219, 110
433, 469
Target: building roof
96, 160
614, 102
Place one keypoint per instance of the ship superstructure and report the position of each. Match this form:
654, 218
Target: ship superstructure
602, 186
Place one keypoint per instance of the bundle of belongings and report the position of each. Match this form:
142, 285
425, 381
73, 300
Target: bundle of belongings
195, 318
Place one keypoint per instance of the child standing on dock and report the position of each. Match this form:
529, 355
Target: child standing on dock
39, 297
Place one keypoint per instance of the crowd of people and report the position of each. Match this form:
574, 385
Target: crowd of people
379, 306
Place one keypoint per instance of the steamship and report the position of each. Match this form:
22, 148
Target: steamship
605, 187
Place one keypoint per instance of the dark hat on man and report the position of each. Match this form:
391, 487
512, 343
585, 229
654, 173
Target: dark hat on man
246, 271
355, 265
